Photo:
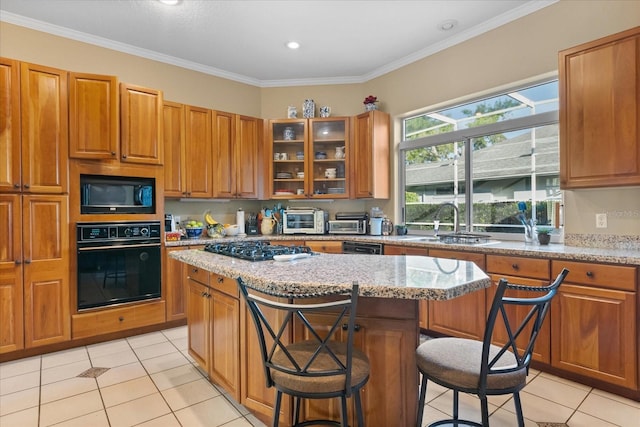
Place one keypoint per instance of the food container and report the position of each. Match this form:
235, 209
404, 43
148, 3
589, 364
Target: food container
172, 236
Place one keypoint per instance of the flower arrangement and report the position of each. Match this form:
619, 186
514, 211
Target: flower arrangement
370, 100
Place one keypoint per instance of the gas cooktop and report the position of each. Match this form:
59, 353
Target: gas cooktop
254, 251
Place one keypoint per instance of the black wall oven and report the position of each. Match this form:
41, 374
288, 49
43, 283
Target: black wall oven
118, 262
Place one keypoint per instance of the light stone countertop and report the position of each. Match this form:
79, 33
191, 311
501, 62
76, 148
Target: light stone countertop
513, 248
398, 277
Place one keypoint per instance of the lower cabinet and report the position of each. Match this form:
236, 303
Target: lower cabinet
175, 285
465, 316
386, 332
594, 323
213, 319
85, 325
527, 272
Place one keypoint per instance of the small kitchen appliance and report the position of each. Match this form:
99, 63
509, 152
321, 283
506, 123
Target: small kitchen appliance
349, 223
304, 221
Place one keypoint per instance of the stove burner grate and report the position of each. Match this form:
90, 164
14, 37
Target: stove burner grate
254, 251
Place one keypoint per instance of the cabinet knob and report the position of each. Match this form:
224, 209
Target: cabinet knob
356, 327
590, 274
203, 294
514, 266
16, 185
26, 186
18, 262
121, 318
113, 153
27, 261
220, 279
124, 156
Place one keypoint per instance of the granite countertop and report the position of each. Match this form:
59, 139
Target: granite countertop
512, 248
404, 277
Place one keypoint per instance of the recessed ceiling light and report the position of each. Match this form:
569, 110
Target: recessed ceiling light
293, 45
447, 25
170, 2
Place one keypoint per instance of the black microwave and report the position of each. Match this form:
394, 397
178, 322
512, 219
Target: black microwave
103, 194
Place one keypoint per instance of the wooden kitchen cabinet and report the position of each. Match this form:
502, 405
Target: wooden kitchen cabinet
370, 172
599, 109
214, 327
310, 147
522, 271
141, 125
464, 316
387, 336
34, 271
38, 163
594, 322
197, 166
93, 117
237, 150
10, 144
324, 246
175, 284
173, 134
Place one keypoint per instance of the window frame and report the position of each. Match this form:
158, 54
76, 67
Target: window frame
467, 135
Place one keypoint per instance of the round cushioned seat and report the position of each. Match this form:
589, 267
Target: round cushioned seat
301, 352
457, 361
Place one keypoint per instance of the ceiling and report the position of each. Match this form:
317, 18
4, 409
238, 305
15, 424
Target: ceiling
348, 41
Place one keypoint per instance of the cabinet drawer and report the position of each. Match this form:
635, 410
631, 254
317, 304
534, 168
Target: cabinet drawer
604, 276
198, 274
518, 266
328, 247
225, 285
478, 259
117, 319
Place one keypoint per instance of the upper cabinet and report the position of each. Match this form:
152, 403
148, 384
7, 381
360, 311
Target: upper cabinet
600, 112
198, 162
370, 177
93, 116
34, 128
141, 125
310, 158
174, 145
237, 151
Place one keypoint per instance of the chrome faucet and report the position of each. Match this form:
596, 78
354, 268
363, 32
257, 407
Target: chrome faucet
436, 220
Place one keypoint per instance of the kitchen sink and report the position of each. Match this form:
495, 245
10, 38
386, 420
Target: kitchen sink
465, 238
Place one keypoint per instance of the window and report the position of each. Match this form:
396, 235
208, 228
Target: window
494, 159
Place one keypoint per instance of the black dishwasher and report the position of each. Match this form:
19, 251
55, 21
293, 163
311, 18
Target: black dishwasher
362, 248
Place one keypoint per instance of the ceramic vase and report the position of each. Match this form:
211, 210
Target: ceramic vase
308, 109
370, 107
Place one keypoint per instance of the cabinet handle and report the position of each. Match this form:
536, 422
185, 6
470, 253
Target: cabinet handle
113, 153
514, 266
203, 294
195, 270
121, 318
356, 327
16, 185
26, 186
590, 274
27, 261
208, 295
220, 279
124, 156
18, 262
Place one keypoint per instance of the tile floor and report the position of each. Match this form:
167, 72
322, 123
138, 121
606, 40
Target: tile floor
152, 381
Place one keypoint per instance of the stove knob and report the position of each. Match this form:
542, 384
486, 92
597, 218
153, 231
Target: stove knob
144, 231
127, 232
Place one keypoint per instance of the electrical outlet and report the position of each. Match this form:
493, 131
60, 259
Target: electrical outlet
601, 220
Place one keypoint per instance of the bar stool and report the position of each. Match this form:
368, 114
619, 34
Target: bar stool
318, 367
483, 368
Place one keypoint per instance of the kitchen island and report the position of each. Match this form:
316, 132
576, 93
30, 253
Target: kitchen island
222, 338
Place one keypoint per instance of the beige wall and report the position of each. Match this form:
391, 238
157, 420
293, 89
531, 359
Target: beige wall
519, 51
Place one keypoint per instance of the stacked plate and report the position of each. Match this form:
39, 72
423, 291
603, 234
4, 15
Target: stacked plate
335, 190
284, 175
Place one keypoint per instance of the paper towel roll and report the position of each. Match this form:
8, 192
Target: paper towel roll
240, 221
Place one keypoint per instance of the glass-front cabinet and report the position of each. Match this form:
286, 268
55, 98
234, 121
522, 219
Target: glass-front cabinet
310, 158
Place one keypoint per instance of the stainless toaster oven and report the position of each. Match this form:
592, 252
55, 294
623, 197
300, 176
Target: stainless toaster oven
304, 221
348, 226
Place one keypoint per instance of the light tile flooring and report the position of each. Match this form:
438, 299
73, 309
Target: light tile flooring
151, 381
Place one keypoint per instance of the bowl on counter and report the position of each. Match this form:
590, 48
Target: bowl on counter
231, 230
193, 232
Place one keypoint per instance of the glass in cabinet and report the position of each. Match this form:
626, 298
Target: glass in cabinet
329, 153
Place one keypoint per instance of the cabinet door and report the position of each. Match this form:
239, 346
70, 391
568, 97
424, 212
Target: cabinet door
463, 316
11, 290
224, 182
93, 116
198, 323
370, 172
141, 125
10, 179
45, 136
47, 317
255, 395
174, 286
328, 173
594, 333
599, 112
225, 348
288, 150
542, 349
173, 133
248, 152
198, 152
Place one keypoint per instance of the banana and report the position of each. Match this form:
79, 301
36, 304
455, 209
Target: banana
209, 219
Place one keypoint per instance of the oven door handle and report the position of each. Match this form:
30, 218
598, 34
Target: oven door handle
102, 248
